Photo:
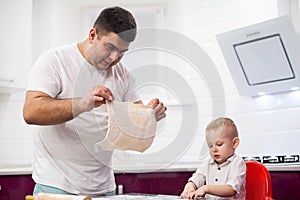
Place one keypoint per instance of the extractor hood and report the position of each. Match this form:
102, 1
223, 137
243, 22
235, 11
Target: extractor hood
263, 58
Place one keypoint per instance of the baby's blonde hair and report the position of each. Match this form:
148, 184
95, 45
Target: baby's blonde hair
221, 122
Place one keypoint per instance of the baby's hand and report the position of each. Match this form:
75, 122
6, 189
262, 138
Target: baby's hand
200, 192
188, 189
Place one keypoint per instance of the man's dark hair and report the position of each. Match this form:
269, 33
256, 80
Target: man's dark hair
117, 20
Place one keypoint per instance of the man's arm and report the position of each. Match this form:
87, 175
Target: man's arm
41, 109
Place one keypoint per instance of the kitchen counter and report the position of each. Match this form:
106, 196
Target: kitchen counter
16, 171
283, 167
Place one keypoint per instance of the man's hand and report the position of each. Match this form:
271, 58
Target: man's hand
94, 99
158, 108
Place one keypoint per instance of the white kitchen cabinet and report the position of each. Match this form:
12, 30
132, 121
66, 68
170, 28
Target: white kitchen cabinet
15, 48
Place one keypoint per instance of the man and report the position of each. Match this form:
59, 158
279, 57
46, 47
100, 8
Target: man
67, 89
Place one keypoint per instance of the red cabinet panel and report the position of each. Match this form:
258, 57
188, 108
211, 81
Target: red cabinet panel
285, 185
15, 187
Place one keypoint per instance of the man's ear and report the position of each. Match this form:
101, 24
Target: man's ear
235, 142
92, 34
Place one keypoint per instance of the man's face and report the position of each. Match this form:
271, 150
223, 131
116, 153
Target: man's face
220, 143
106, 50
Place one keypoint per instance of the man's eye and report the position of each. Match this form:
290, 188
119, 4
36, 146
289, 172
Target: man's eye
110, 47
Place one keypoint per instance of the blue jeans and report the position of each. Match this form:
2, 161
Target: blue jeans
39, 188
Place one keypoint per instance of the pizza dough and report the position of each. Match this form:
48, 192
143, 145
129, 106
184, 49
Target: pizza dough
130, 127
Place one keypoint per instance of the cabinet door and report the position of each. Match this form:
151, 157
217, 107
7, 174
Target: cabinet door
15, 187
15, 40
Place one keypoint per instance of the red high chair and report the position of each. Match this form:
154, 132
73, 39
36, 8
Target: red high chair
258, 181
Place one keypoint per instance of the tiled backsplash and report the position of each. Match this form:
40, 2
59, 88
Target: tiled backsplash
15, 136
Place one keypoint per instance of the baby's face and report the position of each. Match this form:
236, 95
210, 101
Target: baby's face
220, 143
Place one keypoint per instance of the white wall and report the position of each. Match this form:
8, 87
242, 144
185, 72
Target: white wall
15, 62
268, 125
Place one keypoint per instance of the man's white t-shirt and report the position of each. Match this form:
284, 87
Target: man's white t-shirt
65, 155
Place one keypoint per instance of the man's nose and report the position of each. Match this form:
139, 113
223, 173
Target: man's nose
114, 55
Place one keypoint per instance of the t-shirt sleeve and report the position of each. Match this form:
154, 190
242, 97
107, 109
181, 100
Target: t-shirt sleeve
44, 76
